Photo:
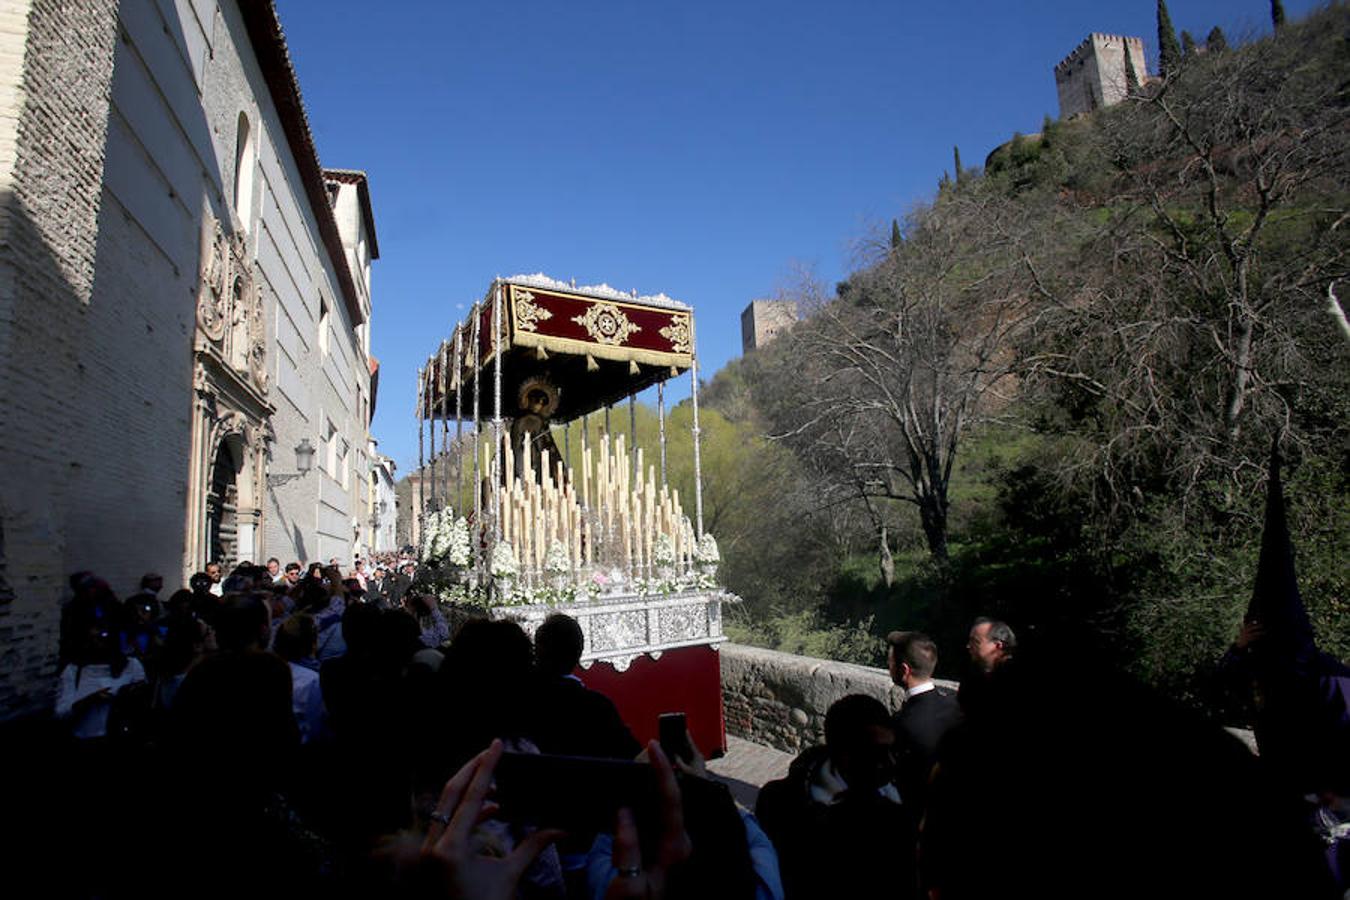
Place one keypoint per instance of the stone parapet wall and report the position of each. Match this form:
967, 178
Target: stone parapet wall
780, 700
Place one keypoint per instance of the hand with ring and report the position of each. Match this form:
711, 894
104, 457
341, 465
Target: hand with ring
448, 848
641, 879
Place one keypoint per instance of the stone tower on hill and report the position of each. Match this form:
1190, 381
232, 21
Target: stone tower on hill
1093, 75
763, 320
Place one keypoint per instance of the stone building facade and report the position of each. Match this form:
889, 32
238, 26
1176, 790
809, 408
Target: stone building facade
764, 320
383, 504
184, 300
1093, 75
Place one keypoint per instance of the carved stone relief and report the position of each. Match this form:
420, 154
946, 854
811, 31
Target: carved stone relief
230, 305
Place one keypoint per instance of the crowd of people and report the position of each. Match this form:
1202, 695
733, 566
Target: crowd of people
286, 728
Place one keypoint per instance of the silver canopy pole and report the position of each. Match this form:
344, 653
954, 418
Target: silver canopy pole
500, 350
632, 433
432, 365
698, 467
459, 418
421, 462
477, 487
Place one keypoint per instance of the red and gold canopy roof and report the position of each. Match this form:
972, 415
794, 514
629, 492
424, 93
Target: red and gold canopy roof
596, 344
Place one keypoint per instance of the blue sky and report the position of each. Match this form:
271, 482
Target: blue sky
700, 149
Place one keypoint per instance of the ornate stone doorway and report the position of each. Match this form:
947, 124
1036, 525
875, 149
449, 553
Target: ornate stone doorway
231, 413
222, 508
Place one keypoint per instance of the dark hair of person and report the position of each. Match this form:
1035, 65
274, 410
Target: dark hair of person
313, 595
238, 582
179, 602
399, 638
361, 629
720, 865
241, 621
296, 637
916, 650
849, 717
200, 583
999, 631
558, 643
182, 634
101, 647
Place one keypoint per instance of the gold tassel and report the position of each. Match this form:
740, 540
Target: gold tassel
540, 353
633, 367
591, 364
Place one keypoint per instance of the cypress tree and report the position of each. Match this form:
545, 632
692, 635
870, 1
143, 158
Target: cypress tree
896, 239
1277, 13
1187, 45
956, 157
1169, 51
1216, 42
1131, 76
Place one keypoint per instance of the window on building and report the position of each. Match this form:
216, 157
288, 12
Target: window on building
243, 172
330, 450
324, 326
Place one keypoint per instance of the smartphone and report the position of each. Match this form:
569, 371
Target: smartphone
578, 794
673, 731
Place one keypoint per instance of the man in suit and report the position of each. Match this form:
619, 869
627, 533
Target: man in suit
571, 719
928, 713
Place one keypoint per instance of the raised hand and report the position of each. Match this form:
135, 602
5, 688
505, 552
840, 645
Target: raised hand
639, 879
448, 849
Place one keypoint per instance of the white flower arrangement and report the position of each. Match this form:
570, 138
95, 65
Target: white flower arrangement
504, 564
706, 552
663, 553
457, 543
556, 562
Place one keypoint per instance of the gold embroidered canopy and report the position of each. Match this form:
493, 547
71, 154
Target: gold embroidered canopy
596, 344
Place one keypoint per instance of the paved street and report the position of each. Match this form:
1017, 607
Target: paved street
747, 767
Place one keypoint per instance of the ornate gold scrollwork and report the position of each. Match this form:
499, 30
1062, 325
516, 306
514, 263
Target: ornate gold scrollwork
677, 332
606, 323
528, 313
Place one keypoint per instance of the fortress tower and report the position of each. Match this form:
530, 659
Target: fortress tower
763, 320
1093, 75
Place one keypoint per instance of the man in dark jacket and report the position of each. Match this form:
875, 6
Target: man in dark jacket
837, 820
928, 713
572, 719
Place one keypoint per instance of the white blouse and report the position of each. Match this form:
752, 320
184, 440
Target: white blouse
91, 721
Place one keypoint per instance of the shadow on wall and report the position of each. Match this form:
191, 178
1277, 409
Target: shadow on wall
99, 260
41, 377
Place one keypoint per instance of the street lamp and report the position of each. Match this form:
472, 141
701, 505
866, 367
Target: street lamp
304, 461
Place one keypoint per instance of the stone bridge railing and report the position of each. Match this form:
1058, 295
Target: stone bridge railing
780, 700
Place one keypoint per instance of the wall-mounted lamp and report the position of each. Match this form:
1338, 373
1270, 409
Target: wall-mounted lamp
304, 461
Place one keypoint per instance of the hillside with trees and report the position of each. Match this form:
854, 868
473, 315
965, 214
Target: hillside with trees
1052, 394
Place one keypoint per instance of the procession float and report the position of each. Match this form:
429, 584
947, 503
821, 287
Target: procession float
521, 527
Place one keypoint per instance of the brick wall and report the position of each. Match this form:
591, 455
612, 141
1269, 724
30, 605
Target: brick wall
55, 80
